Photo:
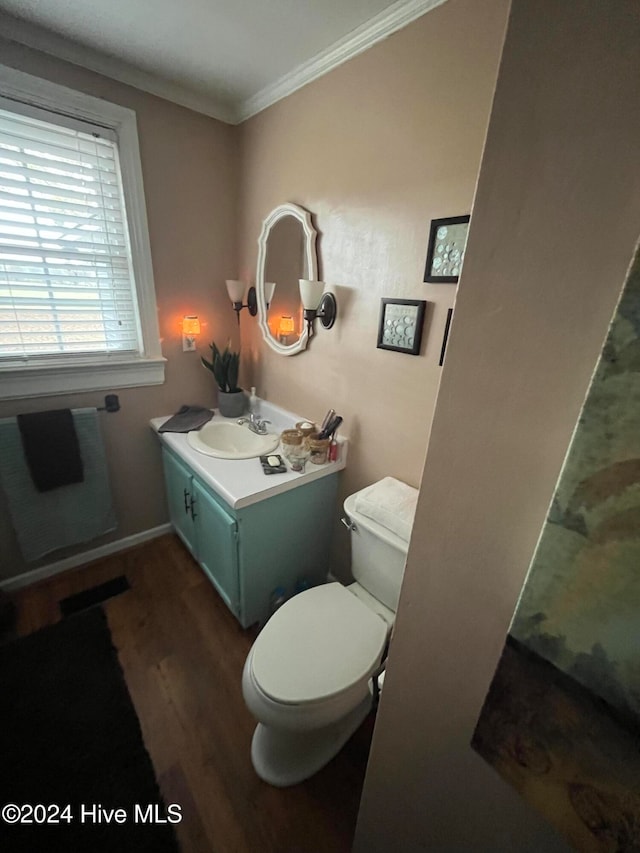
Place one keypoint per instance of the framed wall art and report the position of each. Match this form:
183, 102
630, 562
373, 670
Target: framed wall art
401, 323
445, 337
445, 254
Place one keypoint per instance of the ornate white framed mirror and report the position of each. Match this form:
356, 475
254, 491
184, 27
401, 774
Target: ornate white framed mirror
286, 253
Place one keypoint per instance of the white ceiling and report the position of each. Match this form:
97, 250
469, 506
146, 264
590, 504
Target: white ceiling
226, 58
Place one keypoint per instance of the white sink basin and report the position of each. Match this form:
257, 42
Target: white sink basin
228, 440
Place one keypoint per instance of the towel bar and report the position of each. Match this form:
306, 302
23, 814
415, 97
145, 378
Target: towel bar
111, 404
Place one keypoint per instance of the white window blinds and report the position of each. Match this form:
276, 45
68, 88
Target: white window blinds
66, 278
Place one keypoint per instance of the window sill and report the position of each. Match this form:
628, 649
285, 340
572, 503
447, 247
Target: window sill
48, 379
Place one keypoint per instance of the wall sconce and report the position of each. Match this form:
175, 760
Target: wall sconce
235, 289
269, 287
317, 304
285, 328
190, 328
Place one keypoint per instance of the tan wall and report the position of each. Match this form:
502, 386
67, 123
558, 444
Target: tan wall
374, 150
190, 170
556, 219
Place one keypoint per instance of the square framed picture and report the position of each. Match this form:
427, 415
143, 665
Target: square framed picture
401, 323
445, 254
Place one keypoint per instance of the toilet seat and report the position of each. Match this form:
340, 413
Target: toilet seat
318, 644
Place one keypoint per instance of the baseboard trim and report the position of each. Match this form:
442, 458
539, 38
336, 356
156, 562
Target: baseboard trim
43, 572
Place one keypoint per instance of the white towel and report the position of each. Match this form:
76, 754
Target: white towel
47, 521
391, 503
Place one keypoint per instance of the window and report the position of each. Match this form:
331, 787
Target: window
77, 306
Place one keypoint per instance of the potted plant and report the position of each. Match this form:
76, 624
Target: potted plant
224, 365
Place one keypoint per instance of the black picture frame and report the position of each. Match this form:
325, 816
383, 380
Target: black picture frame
400, 326
445, 337
433, 253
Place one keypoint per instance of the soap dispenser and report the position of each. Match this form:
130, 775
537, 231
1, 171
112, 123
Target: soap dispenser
254, 403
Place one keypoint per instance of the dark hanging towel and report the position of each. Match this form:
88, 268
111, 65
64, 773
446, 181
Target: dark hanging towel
51, 449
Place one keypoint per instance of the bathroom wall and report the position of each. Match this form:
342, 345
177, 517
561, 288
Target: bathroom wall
375, 150
190, 170
556, 221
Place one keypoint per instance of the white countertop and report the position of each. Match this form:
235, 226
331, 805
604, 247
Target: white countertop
241, 482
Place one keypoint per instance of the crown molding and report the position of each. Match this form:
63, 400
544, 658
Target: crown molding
39, 38
376, 29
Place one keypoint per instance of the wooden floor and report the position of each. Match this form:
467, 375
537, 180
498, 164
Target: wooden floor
182, 653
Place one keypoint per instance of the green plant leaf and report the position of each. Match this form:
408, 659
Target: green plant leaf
224, 366
233, 369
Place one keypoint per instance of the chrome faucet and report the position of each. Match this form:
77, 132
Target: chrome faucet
255, 423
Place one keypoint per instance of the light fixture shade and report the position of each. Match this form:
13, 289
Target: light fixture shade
235, 289
286, 325
269, 287
190, 325
311, 293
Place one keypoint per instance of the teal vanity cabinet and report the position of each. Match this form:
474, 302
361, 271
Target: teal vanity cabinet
217, 545
282, 540
177, 479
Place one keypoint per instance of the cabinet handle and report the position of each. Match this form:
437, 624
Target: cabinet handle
187, 506
194, 515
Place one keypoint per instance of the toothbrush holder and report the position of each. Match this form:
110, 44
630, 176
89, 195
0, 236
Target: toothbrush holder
318, 449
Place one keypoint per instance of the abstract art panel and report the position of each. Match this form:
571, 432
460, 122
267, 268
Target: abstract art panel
561, 721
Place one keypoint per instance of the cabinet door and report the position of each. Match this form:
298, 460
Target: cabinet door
179, 497
217, 545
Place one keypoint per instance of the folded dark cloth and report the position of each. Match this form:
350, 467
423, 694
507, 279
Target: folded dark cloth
51, 449
186, 419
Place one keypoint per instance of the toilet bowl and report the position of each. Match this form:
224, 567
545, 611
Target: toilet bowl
307, 678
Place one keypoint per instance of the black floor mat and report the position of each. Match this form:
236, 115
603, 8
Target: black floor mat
96, 595
70, 741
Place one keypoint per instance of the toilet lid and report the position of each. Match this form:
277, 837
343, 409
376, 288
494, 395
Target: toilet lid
317, 644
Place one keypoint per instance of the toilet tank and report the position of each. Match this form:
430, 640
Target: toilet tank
378, 556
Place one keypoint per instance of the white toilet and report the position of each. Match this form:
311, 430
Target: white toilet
307, 678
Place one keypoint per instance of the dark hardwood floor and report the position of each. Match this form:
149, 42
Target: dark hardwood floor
182, 653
